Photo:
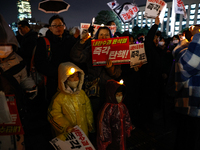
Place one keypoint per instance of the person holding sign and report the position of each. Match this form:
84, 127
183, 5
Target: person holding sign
70, 105
82, 53
151, 77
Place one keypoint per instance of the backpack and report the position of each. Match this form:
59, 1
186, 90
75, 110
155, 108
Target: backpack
40, 79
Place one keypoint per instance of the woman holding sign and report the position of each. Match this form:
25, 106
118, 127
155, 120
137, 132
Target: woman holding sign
97, 75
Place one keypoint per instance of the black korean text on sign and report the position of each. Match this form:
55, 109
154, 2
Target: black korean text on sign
70, 136
134, 54
75, 144
153, 6
142, 56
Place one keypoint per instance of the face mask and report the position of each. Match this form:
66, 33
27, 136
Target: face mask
73, 84
119, 98
175, 41
161, 43
5, 51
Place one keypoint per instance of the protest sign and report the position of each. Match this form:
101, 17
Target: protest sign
154, 8
115, 49
127, 12
76, 140
14, 127
180, 8
137, 54
177, 8
85, 26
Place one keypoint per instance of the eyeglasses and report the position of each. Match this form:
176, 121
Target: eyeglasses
55, 26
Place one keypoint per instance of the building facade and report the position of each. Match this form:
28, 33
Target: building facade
193, 17
24, 9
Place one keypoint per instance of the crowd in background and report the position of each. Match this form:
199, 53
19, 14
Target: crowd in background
172, 71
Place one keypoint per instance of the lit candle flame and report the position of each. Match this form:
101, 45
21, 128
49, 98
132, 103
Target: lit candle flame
121, 82
93, 21
72, 70
102, 25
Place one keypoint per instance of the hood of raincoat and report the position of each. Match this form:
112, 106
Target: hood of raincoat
7, 36
112, 87
64, 71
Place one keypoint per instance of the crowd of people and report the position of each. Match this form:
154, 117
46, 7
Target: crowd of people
109, 112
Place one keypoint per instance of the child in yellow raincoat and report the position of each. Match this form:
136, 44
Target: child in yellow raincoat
70, 105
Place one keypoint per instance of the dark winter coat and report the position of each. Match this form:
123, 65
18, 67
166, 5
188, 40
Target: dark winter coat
114, 121
60, 51
27, 45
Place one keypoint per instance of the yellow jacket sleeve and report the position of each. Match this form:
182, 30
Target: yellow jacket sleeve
57, 118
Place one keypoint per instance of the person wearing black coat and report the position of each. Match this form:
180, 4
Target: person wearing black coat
27, 42
151, 77
60, 45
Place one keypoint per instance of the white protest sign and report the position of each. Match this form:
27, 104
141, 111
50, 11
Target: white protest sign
153, 8
76, 140
128, 12
84, 27
180, 8
137, 54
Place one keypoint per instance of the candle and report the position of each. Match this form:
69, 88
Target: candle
72, 70
93, 21
121, 81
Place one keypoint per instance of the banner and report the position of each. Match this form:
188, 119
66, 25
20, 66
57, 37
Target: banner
177, 8
180, 8
115, 49
76, 140
154, 8
128, 12
14, 127
137, 54
85, 26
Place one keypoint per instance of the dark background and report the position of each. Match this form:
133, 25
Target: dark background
80, 11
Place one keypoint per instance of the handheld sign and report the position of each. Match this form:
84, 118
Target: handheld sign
14, 127
115, 49
153, 8
138, 54
76, 140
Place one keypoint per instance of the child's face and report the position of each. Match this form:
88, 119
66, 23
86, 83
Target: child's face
119, 97
73, 77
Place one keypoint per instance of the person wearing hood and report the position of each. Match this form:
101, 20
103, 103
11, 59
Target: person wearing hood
114, 121
27, 43
12, 65
70, 105
60, 46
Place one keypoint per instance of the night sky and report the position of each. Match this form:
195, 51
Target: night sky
80, 11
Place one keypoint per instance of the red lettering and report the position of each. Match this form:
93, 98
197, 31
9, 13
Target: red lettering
85, 26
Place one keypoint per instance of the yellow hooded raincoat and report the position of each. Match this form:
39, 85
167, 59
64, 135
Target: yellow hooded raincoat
70, 108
